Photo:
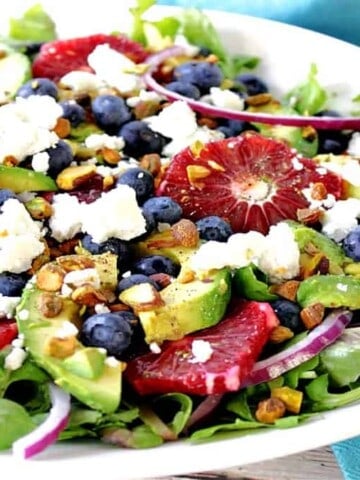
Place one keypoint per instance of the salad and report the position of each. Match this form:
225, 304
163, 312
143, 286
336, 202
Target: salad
179, 248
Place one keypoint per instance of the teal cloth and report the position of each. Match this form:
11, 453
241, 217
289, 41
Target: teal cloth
337, 18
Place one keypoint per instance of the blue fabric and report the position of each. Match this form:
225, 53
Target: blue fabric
338, 18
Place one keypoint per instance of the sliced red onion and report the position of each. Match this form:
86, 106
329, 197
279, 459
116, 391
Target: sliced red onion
319, 338
326, 122
204, 409
48, 432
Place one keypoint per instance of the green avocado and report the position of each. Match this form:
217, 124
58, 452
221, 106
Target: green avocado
20, 179
306, 236
87, 373
305, 142
15, 69
332, 291
187, 307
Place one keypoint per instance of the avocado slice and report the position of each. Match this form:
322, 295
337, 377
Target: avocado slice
20, 179
306, 236
187, 307
304, 140
332, 291
86, 372
15, 69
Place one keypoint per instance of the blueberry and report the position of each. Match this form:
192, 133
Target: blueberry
351, 244
331, 141
213, 228
184, 88
152, 264
202, 74
288, 314
6, 194
232, 128
135, 279
140, 139
252, 83
73, 112
112, 331
113, 245
110, 112
38, 86
60, 157
164, 209
12, 284
140, 180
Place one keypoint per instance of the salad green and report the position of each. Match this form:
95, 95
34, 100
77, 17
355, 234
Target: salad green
328, 380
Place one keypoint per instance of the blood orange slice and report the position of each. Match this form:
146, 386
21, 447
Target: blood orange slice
8, 332
59, 57
233, 345
250, 180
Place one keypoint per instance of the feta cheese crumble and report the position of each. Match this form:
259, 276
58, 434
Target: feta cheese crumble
20, 238
338, 221
40, 162
98, 141
15, 358
201, 351
354, 145
115, 69
77, 278
8, 305
115, 214
226, 99
276, 254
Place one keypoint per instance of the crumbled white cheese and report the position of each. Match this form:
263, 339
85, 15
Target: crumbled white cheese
154, 347
327, 202
144, 96
101, 308
280, 259
65, 221
81, 81
19, 341
226, 99
177, 121
298, 166
24, 314
345, 166
276, 254
8, 305
20, 238
112, 362
339, 220
77, 278
15, 358
98, 141
40, 162
67, 329
120, 216
354, 145
115, 69
201, 351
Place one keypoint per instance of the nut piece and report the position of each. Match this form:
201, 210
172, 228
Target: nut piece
39, 208
60, 347
50, 277
292, 398
312, 315
195, 173
280, 334
88, 295
270, 410
142, 297
286, 290
75, 262
72, 177
49, 304
185, 233
152, 163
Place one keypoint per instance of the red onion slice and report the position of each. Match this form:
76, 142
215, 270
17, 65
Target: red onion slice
319, 338
330, 123
47, 433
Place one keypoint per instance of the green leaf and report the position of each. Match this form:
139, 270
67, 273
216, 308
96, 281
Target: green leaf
35, 25
309, 97
140, 437
15, 422
322, 399
341, 360
239, 405
137, 27
184, 404
356, 98
250, 282
305, 370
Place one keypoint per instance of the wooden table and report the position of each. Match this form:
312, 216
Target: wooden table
318, 464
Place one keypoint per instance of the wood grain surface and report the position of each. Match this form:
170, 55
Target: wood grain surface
318, 464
